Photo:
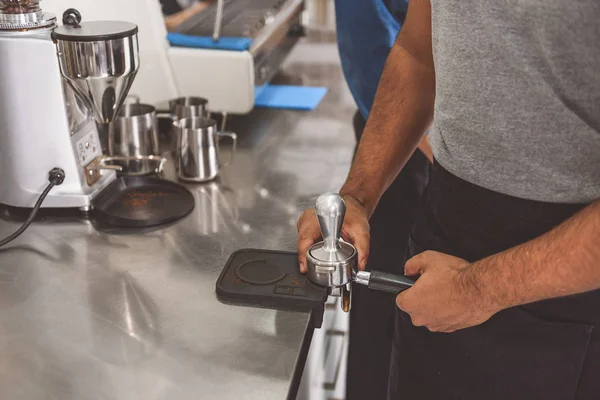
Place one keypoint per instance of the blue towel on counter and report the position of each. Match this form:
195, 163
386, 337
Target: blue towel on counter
205, 42
289, 97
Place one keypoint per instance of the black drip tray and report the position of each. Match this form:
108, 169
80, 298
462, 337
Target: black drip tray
269, 279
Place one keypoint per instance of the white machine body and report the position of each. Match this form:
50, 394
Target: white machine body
37, 133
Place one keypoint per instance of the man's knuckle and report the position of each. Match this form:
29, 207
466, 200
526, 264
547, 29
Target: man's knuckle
401, 300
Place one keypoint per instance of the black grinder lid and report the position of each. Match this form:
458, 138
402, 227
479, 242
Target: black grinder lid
95, 31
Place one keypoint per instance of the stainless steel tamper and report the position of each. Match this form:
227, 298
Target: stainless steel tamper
333, 262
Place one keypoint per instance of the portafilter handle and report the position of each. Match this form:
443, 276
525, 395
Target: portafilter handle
331, 210
384, 281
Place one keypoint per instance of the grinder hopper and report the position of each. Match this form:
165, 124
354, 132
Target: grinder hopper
99, 59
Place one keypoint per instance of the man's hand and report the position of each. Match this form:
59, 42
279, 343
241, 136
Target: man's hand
443, 299
355, 231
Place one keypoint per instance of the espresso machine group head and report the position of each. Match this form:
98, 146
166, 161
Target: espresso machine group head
333, 262
58, 85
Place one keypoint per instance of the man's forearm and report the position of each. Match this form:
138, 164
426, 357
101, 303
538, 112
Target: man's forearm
401, 113
562, 262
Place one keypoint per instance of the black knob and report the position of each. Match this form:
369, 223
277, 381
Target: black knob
72, 17
56, 176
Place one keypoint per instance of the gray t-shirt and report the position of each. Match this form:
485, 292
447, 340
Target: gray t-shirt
517, 106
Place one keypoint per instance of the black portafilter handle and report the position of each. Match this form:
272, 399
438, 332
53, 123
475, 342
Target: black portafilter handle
384, 281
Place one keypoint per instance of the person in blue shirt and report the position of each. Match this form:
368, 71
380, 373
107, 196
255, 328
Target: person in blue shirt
366, 32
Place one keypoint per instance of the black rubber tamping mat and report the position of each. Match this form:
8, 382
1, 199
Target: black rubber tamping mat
142, 201
269, 279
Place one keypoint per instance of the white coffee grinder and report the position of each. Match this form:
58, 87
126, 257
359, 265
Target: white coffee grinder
58, 85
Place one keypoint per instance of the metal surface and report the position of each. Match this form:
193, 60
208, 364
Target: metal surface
116, 315
185, 107
233, 18
384, 281
363, 278
273, 44
331, 210
346, 297
218, 20
93, 171
188, 107
331, 272
156, 163
132, 134
282, 21
101, 72
198, 150
26, 21
331, 262
341, 252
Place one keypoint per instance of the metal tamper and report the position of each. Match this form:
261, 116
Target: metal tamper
333, 262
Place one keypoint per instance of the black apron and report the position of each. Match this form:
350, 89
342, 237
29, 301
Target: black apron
546, 350
371, 318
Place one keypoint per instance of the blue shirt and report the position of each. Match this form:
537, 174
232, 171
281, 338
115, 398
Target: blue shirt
366, 32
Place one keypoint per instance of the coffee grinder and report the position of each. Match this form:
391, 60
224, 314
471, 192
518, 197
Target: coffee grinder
58, 85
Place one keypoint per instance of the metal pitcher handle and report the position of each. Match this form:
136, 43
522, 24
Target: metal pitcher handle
233, 138
166, 115
158, 169
224, 120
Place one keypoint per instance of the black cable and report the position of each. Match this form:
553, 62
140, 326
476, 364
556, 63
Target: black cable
55, 177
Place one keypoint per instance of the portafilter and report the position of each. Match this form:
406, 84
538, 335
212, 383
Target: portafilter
333, 262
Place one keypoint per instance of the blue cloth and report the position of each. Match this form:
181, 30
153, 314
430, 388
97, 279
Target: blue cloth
366, 31
289, 97
205, 42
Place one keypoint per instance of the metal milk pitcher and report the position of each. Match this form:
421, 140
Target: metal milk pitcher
197, 152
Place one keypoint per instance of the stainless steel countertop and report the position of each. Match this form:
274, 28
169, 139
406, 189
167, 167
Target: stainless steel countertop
114, 315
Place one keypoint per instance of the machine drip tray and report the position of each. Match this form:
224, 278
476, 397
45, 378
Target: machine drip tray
269, 279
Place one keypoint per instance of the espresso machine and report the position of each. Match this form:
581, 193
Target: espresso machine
59, 85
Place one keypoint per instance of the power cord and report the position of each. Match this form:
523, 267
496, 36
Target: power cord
56, 177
